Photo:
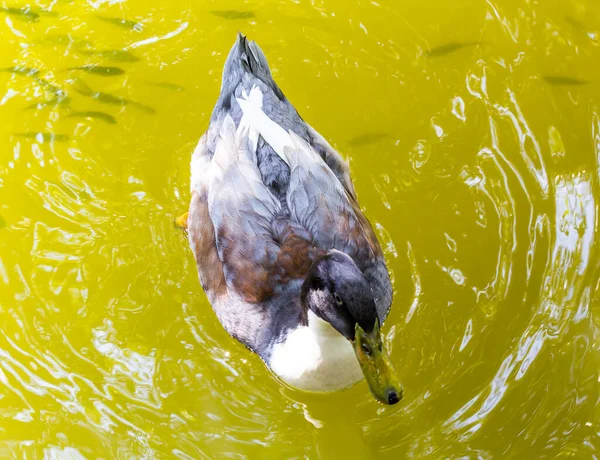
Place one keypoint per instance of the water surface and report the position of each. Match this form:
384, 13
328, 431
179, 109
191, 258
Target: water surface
473, 132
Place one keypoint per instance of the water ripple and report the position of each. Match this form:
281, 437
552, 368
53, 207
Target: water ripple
481, 176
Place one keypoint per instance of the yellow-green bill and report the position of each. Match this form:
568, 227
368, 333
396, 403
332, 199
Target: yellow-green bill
375, 363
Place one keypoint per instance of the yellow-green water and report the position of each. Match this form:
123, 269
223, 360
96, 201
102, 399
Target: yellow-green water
480, 176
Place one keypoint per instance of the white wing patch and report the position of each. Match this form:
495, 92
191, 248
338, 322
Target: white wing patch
291, 148
259, 122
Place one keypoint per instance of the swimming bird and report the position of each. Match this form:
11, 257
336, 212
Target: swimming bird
287, 259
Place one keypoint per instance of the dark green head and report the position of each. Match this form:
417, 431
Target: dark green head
337, 292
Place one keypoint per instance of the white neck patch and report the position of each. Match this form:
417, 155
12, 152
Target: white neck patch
316, 358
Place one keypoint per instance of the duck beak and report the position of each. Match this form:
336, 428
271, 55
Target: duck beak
375, 363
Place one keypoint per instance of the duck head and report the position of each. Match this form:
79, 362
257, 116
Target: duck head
337, 292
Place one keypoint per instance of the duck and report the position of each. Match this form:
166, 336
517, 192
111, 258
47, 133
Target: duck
290, 264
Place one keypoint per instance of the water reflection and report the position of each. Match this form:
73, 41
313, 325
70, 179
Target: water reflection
562, 291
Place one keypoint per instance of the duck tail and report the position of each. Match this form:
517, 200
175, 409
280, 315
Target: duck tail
247, 57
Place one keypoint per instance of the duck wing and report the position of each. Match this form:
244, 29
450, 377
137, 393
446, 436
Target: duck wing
242, 210
316, 199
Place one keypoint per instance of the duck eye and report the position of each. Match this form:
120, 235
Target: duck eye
337, 298
366, 348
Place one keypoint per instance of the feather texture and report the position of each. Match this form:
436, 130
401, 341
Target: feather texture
277, 196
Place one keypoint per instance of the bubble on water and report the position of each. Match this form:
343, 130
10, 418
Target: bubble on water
458, 108
457, 276
420, 154
439, 131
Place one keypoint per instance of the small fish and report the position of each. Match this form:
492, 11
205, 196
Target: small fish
575, 23
112, 55
100, 70
564, 81
44, 137
2, 222
82, 44
111, 99
367, 138
24, 71
34, 73
82, 87
580, 27
448, 48
125, 23
55, 39
233, 14
56, 102
95, 115
166, 85
24, 14
107, 98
